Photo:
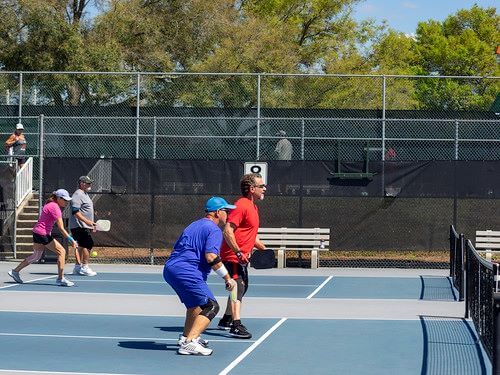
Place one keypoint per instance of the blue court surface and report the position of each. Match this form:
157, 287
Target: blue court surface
422, 287
95, 342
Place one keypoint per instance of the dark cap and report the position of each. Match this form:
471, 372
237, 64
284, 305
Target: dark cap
85, 179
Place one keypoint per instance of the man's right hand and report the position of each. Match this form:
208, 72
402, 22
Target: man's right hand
242, 258
230, 284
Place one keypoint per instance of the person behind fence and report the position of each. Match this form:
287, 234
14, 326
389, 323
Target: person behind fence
81, 224
195, 253
15, 145
284, 148
240, 234
42, 238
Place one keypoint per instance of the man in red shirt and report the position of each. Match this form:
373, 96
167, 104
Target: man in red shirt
240, 234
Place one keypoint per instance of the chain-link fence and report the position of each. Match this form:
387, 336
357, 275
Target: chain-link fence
244, 116
250, 138
338, 123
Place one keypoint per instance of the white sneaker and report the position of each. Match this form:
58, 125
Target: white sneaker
15, 276
182, 340
194, 348
76, 269
64, 282
87, 271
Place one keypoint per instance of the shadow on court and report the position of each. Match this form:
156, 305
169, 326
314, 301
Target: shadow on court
451, 345
437, 289
147, 345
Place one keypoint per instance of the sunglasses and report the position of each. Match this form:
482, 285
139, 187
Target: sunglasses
261, 186
224, 209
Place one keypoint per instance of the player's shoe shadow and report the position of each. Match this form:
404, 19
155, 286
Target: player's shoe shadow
147, 345
215, 332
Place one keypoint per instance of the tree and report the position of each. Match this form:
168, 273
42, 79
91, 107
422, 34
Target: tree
462, 45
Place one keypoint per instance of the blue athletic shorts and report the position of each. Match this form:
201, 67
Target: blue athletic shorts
189, 284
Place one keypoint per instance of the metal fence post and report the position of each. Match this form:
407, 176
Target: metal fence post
496, 324
302, 141
383, 116
154, 137
41, 157
14, 225
137, 114
456, 139
258, 116
20, 107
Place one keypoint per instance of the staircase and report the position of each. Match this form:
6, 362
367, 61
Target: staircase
26, 219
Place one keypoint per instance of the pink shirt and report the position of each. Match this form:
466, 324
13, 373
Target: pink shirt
50, 213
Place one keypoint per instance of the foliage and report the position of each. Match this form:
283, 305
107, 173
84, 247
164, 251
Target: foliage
245, 36
464, 45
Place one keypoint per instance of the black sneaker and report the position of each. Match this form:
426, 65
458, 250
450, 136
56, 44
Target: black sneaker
240, 331
225, 324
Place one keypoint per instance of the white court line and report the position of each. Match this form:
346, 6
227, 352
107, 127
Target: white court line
59, 373
319, 287
163, 282
27, 282
252, 347
111, 337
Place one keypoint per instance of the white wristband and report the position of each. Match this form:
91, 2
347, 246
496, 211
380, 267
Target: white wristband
221, 271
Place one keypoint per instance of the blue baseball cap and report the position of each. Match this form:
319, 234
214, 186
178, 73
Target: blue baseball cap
218, 203
62, 193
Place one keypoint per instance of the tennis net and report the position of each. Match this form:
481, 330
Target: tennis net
482, 300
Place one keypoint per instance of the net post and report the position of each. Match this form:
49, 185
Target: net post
452, 251
461, 274
496, 323
468, 277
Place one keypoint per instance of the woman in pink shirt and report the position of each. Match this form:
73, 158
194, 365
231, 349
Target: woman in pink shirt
51, 213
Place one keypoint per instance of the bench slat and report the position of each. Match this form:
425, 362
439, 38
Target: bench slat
294, 230
293, 236
488, 233
483, 245
291, 243
488, 239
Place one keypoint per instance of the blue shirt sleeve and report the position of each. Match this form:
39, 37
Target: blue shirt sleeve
214, 240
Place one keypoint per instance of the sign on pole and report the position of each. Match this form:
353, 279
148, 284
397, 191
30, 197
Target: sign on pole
257, 167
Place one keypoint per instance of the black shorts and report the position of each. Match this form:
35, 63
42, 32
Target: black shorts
83, 237
238, 271
42, 239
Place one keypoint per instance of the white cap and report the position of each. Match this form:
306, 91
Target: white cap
19, 126
61, 193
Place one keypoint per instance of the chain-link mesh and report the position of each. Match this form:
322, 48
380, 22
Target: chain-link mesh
197, 91
239, 116
250, 138
342, 122
343, 92
438, 94
9, 91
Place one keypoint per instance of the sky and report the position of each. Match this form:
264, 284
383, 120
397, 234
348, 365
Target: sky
404, 15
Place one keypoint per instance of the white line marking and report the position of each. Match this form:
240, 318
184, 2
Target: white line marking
251, 348
27, 282
58, 372
319, 287
112, 337
78, 280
